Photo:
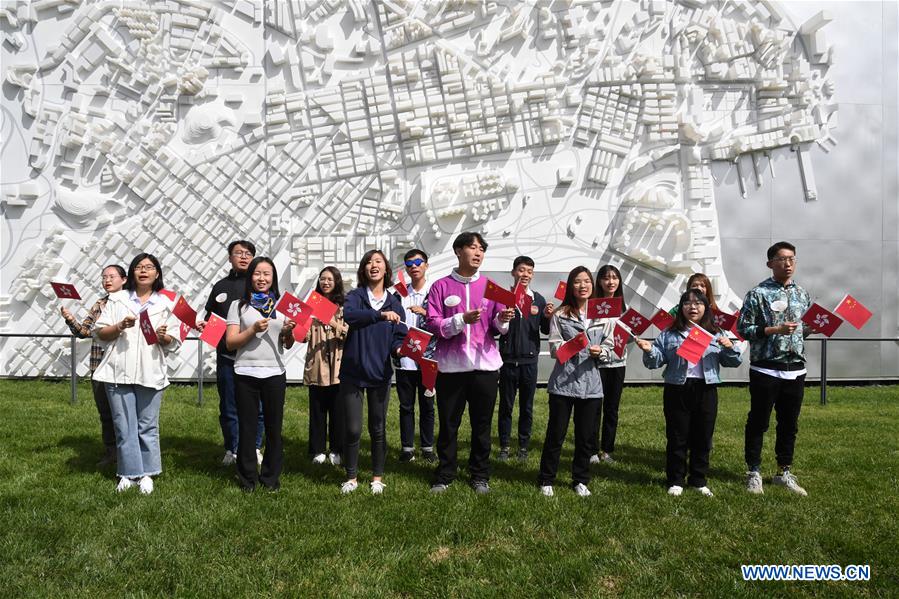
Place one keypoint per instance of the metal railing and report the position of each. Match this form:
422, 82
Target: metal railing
73, 359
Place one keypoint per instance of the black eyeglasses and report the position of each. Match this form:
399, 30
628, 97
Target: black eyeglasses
415, 262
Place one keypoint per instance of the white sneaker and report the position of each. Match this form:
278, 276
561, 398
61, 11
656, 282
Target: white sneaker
146, 485
348, 487
606, 457
258, 456
334, 458
789, 481
125, 483
377, 487
319, 459
594, 459
675, 490
547, 490
581, 490
754, 483
705, 491
230, 458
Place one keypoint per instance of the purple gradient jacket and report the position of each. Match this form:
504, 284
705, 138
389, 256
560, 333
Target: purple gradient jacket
464, 347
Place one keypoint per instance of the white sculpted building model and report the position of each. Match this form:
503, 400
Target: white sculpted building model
578, 132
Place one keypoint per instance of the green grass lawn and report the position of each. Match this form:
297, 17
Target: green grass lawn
65, 532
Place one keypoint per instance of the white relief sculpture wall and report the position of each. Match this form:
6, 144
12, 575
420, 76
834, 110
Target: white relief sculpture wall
663, 137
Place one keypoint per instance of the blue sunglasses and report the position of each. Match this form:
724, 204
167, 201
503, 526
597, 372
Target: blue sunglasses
415, 262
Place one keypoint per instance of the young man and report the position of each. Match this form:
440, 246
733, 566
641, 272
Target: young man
408, 374
519, 350
464, 323
225, 291
771, 320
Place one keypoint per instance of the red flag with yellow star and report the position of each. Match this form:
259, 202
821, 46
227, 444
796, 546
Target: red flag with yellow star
853, 311
698, 339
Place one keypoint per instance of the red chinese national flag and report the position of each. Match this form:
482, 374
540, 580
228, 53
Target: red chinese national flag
293, 307
560, 291
499, 294
322, 308
185, 313
400, 286
183, 331
428, 373
568, 349
604, 307
214, 329
146, 327
635, 321
723, 320
65, 290
853, 311
168, 293
621, 337
698, 339
523, 301
821, 320
415, 343
662, 320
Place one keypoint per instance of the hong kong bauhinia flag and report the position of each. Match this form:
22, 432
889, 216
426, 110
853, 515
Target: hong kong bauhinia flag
293, 307
65, 290
499, 294
635, 321
415, 343
568, 349
821, 320
698, 339
723, 320
400, 286
146, 327
604, 307
853, 311
621, 337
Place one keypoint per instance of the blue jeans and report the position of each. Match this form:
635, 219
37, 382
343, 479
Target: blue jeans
135, 416
224, 377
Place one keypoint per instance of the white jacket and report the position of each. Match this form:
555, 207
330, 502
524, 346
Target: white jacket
129, 360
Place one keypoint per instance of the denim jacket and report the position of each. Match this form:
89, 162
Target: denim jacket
664, 351
578, 377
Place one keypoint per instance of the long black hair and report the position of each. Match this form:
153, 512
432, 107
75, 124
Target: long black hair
569, 302
603, 271
248, 284
682, 323
335, 296
362, 276
131, 283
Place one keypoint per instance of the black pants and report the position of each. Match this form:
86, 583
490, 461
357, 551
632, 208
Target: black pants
690, 413
607, 411
252, 392
454, 389
560, 408
785, 396
351, 402
325, 420
408, 386
521, 379
106, 427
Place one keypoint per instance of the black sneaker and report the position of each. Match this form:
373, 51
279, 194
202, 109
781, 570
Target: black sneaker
406, 456
522, 455
503, 454
480, 487
429, 456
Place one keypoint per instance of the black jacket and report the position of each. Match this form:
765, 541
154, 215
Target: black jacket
223, 293
522, 343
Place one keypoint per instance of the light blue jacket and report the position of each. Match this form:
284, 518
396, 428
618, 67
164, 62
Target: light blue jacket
664, 351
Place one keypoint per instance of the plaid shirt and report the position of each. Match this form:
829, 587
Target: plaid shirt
86, 329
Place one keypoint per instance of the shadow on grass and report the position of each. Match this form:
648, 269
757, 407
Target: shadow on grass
653, 459
88, 451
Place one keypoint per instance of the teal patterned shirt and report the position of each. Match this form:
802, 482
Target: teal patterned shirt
770, 304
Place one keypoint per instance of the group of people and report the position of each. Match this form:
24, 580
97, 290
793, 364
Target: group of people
483, 349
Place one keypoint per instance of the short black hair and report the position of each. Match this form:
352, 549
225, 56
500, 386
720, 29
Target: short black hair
415, 252
527, 260
780, 245
247, 244
467, 238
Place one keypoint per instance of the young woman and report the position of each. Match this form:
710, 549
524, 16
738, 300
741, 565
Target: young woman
375, 319
608, 284
691, 394
113, 279
259, 335
703, 285
135, 372
575, 385
324, 351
